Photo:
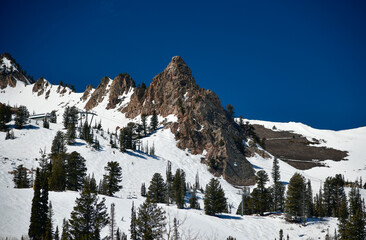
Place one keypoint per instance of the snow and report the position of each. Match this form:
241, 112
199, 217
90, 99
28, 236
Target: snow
8, 65
138, 168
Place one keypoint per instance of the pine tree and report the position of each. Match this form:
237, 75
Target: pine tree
150, 221
57, 234
58, 144
295, 196
157, 188
309, 206
281, 235
21, 117
179, 188
261, 195
66, 235
154, 122
37, 228
143, 190
278, 189
21, 179
143, 123
71, 134
75, 171
57, 180
89, 215
175, 230
46, 123
343, 219
113, 177
230, 110
112, 223
215, 200
53, 117
133, 224
5, 116
49, 223
355, 227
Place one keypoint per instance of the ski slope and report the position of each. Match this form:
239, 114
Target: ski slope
138, 168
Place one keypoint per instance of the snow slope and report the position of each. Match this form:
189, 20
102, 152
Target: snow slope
137, 167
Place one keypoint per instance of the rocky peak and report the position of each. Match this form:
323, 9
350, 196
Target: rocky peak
40, 85
178, 66
10, 72
121, 85
87, 91
98, 95
203, 124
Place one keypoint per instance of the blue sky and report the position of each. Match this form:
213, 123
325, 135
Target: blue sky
302, 61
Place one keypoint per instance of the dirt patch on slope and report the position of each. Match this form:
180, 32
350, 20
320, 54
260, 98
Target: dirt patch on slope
296, 149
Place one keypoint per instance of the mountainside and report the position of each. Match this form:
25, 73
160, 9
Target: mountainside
195, 133
202, 126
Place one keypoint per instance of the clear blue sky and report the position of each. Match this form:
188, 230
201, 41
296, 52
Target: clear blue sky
299, 61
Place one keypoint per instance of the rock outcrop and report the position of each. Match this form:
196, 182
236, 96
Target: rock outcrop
10, 72
40, 86
98, 95
203, 124
121, 85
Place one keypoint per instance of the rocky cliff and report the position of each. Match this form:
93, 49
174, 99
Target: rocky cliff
11, 72
203, 124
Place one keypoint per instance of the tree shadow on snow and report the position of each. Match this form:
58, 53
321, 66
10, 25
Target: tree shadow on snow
256, 167
78, 144
224, 216
134, 154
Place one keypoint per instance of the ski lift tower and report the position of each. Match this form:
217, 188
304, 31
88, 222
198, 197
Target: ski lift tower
85, 114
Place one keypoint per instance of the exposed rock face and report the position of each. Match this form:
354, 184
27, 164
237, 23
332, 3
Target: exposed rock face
87, 91
120, 85
99, 94
40, 85
10, 72
203, 124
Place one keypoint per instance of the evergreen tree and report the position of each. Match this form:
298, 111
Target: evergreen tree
113, 178
133, 224
21, 117
53, 117
37, 227
66, 119
144, 124
278, 189
157, 188
175, 230
21, 179
112, 223
179, 187
46, 123
355, 227
281, 235
57, 234
71, 134
215, 200
49, 223
150, 221
230, 110
66, 235
5, 116
89, 215
154, 122
143, 190
75, 171
261, 195
295, 196
309, 206
58, 144
57, 179
333, 192
343, 219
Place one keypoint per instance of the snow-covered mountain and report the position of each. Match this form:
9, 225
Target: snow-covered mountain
197, 115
